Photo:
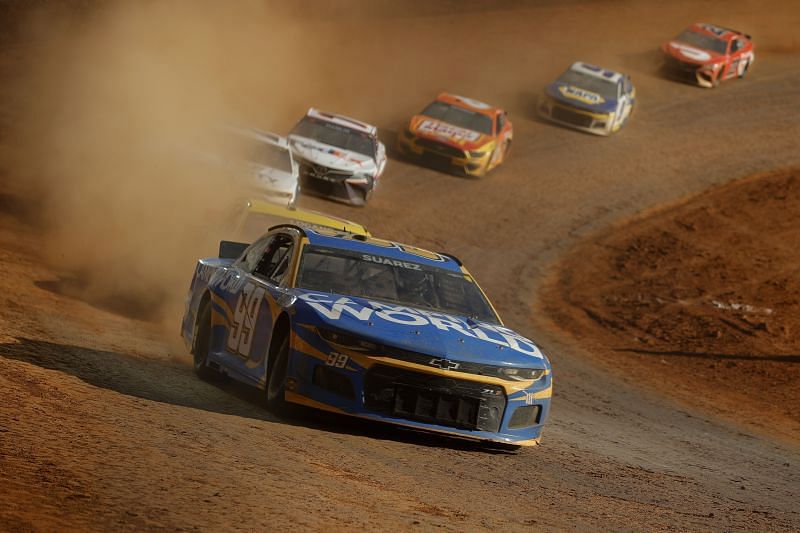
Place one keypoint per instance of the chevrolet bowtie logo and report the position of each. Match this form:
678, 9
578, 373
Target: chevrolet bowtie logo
444, 364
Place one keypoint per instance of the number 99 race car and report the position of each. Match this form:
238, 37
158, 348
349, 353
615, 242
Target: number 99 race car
368, 328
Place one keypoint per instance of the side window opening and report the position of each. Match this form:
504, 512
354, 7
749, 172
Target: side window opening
274, 262
253, 254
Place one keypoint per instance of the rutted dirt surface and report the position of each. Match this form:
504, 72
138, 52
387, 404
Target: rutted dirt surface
103, 424
703, 297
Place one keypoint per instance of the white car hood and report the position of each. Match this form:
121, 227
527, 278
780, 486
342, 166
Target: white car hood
273, 179
331, 156
690, 52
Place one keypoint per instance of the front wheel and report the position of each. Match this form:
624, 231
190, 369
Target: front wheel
276, 380
202, 345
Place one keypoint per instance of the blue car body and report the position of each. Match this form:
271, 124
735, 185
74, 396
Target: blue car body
413, 366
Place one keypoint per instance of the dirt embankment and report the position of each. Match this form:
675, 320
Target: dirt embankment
701, 299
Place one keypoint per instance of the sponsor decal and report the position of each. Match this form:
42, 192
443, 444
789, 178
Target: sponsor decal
419, 252
690, 52
204, 272
336, 308
231, 282
582, 95
444, 364
440, 129
349, 157
386, 261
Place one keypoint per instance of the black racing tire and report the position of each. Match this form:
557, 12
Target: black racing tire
276, 378
202, 345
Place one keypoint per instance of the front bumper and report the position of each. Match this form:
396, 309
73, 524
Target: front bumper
689, 72
575, 117
330, 183
276, 196
411, 395
442, 156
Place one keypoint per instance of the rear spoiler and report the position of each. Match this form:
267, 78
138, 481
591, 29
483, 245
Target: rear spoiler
231, 250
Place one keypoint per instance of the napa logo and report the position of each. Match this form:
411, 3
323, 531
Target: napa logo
582, 95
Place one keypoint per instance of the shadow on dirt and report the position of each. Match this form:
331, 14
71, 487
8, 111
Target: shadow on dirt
175, 383
714, 356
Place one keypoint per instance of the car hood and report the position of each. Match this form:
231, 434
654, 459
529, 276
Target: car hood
431, 333
582, 98
331, 156
274, 179
690, 54
460, 138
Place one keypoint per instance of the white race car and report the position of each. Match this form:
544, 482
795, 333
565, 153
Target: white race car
340, 157
273, 172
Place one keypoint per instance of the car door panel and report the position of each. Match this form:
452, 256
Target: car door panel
245, 308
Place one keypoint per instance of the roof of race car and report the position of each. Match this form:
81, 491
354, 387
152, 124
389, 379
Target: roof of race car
597, 72
467, 103
380, 247
725, 34
342, 120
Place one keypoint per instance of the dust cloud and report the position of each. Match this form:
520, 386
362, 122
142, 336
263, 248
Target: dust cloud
118, 111
121, 105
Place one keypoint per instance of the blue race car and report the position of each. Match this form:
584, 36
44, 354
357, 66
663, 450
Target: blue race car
366, 327
589, 98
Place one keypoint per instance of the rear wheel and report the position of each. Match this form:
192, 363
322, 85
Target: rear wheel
202, 344
276, 378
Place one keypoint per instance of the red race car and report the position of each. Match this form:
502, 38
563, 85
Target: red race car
706, 54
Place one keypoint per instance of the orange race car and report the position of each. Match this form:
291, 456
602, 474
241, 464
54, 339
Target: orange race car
458, 134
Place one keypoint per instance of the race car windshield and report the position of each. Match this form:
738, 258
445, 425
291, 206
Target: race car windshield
271, 156
702, 41
458, 116
605, 88
398, 282
336, 135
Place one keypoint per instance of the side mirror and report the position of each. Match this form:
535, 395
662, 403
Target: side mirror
231, 250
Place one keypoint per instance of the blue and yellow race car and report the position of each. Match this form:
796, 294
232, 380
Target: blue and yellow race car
366, 327
589, 98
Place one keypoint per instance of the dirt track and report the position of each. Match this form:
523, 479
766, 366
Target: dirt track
103, 423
